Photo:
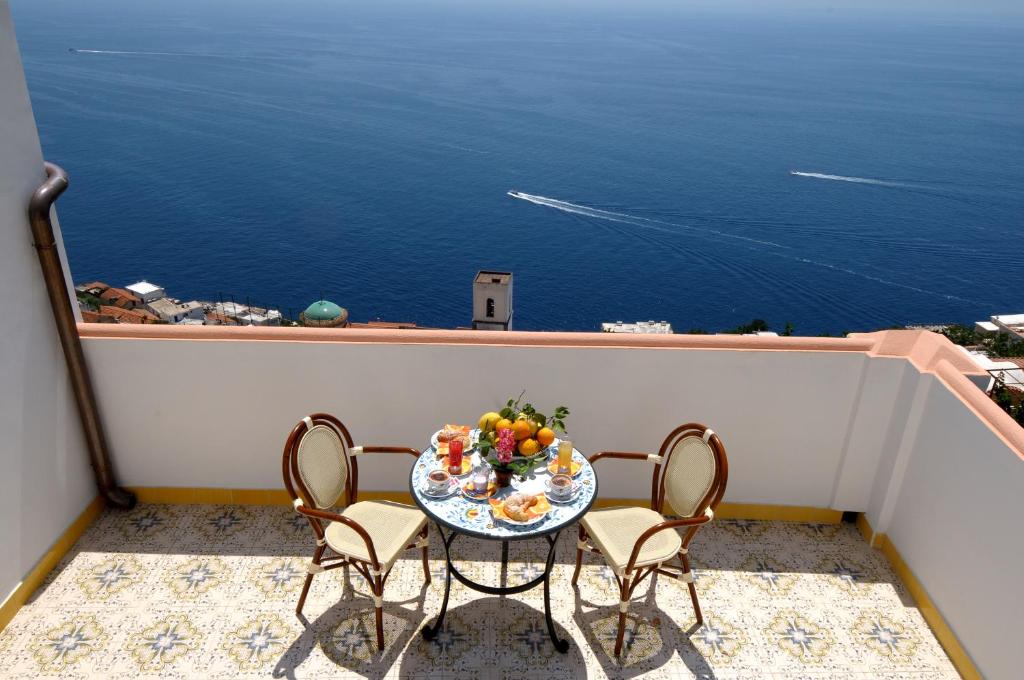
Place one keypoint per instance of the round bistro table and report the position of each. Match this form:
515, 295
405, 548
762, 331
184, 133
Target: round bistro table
458, 516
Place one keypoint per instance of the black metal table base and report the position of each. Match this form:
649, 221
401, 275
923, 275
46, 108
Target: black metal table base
430, 632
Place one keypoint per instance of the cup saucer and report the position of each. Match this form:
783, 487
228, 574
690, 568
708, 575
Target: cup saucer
568, 498
453, 486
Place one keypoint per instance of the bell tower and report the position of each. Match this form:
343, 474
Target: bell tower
492, 301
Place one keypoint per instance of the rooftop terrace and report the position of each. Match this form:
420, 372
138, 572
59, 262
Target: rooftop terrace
197, 591
890, 427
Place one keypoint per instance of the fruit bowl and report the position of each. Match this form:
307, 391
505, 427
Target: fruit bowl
532, 434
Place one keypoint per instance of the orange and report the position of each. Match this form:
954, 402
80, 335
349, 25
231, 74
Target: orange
528, 447
503, 424
521, 429
545, 436
533, 423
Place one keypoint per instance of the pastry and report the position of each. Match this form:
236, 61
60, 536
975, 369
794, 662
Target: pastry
452, 432
517, 506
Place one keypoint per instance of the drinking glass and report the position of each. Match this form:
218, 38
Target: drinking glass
564, 457
455, 457
480, 477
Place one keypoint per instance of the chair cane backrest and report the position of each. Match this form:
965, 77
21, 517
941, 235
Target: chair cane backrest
317, 459
323, 465
694, 474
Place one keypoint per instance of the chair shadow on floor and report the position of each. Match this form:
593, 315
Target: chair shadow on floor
345, 633
651, 637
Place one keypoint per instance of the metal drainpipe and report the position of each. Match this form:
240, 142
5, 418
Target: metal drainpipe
56, 287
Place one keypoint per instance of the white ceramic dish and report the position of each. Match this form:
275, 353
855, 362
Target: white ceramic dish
453, 487
474, 437
550, 494
531, 522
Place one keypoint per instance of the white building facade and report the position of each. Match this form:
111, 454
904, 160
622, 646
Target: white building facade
146, 291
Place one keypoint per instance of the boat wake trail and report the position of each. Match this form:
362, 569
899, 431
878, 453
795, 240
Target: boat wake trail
776, 250
855, 180
74, 50
643, 222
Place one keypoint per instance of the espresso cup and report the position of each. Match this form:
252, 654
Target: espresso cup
561, 486
438, 480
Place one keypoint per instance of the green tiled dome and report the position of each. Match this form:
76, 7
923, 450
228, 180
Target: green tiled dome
323, 310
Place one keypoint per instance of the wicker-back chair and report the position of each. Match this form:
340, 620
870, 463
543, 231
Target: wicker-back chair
321, 475
690, 473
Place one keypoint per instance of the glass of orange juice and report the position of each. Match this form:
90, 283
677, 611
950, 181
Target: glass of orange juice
565, 457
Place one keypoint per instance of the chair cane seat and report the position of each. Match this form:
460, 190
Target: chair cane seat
391, 526
615, 531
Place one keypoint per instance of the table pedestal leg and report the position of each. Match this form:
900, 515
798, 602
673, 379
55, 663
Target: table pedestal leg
504, 564
561, 645
430, 632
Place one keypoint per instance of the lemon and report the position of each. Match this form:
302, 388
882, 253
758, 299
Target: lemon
488, 421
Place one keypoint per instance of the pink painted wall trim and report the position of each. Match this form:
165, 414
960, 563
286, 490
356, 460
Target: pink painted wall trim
468, 337
998, 420
924, 349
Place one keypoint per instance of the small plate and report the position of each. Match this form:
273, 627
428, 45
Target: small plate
470, 494
474, 437
453, 486
467, 465
576, 488
575, 467
506, 520
499, 515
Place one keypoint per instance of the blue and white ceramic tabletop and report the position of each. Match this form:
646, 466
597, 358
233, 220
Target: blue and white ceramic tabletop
474, 517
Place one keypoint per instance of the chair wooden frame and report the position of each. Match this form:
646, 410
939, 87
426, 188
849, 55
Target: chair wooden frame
304, 504
632, 575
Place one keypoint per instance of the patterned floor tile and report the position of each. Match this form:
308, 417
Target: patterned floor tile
209, 591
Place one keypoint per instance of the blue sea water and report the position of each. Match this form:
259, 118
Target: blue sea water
364, 151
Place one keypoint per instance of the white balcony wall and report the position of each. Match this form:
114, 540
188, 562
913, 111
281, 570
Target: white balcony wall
46, 481
953, 509
216, 413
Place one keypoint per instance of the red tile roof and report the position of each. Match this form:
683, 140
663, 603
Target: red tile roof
127, 315
94, 285
384, 324
222, 318
120, 297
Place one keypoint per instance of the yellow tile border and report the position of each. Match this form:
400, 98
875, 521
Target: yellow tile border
943, 633
187, 495
48, 561
752, 511
779, 513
